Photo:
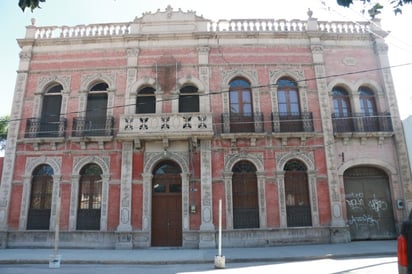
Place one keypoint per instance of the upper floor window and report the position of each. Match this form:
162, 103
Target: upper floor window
241, 107
288, 97
341, 102
146, 100
96, 110
50, 114
189, 99
367, 101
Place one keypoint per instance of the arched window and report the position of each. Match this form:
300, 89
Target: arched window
189, 99
146, 100
289, 105
298, 209
370, 119
50, 114
96, 111
241, 107
40, 198
90, 198
343, 120
367, 101
245, 196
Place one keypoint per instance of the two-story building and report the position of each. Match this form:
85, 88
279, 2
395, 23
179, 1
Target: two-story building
127, 135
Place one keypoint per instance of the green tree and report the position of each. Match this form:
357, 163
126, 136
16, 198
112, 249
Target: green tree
396, 5
32, 4
4, 123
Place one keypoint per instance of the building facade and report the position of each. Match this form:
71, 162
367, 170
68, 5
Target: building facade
127, 135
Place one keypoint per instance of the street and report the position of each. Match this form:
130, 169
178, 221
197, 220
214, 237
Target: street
375, 265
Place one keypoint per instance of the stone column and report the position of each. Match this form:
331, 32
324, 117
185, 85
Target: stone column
74, 194
25, 202
261, 181
13, 131
207, 229
55, 200
126, 187
405, 177
124, 236
227, 176
130, 101
280, 178
335, 196
313, 195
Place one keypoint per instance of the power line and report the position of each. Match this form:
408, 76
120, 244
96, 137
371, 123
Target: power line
251, 87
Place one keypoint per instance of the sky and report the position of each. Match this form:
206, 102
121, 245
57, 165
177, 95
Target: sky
75, 12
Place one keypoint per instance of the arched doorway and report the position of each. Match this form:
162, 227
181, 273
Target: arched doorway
90, 198
40, 198
368, 204
245, 196
298, 208
167, 205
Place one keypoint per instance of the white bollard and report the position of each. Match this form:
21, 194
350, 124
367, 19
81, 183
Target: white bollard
219, 259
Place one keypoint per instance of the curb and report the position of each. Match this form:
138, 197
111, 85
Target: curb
196, 261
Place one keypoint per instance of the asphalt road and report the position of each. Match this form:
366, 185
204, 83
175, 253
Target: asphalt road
375, 265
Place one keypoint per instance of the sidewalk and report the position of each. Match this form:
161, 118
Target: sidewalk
194, 256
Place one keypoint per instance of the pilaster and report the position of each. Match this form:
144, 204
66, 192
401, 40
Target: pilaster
207, 229
126, 188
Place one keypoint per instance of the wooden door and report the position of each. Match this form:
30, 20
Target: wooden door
167, 210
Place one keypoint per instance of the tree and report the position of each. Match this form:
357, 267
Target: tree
4, 123
32, 4
396, 5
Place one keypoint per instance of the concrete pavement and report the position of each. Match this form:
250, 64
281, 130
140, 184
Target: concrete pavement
193, 256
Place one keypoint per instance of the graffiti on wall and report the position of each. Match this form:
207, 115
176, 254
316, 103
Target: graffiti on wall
362, 211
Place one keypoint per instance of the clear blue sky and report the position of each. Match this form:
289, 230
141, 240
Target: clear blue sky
74, 12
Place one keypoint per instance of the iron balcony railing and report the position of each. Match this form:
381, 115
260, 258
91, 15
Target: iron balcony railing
292, 122
83, 127
245, 122
359, 122
43, 128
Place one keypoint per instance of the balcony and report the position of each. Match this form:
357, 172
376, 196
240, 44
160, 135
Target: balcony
242, 123
166, 124
83, 127
292, 122
359, 122
40, 128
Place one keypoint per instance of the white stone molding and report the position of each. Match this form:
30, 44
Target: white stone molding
257, 160
74, 196
10, 153
147, 202
31, 164
250, 75
130, 95
88, 80
227, 178
25, 202
125, 214
280, 179
78, 163
206, 209
44, 82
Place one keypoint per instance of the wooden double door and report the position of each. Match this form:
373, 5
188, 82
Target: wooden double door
166, 210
